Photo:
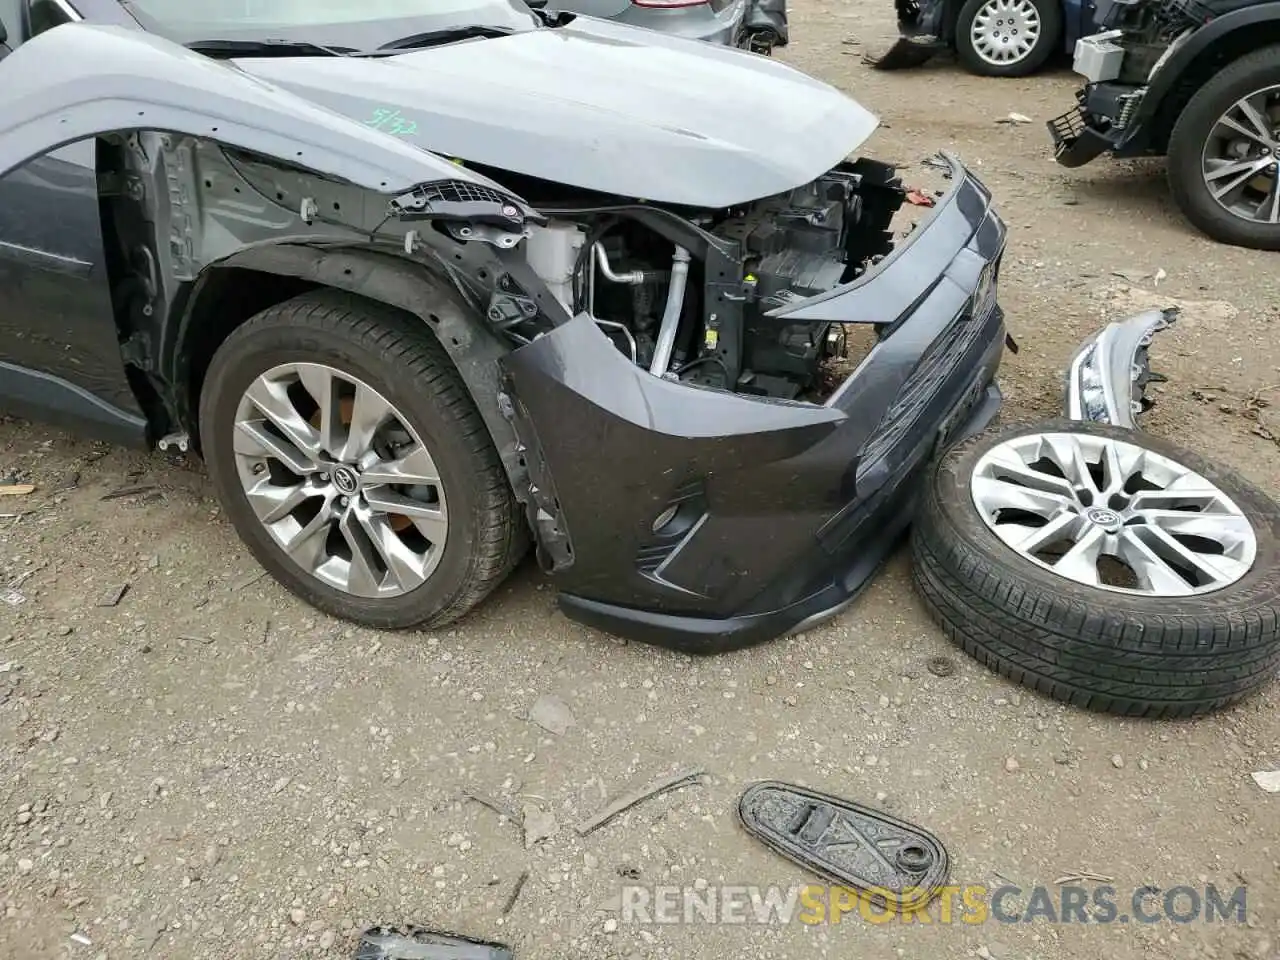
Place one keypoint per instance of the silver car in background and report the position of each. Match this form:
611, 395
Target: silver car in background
758, 25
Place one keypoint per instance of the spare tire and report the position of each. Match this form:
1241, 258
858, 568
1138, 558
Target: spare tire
1103, 567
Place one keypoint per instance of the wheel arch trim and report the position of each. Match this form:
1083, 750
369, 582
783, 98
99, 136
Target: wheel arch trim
1163, 86
407, 285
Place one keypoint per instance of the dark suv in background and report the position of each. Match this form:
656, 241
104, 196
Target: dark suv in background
1196, 81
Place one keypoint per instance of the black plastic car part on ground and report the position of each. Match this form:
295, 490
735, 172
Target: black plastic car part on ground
1103, 567
898, 864
1197, 81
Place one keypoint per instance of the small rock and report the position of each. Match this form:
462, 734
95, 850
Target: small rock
280, 784
611, 925
984, 953
539, 824
327, 939
25, 865
212, 855
551, 714
1117, 761
297, 915
941, 666
1011, 765
138, 860
24, 817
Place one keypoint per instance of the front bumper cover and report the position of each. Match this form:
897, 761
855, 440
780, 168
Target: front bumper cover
707, 521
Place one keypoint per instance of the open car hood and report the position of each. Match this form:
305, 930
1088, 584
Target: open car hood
600, 106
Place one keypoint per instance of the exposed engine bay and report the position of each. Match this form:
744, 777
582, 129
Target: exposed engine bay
691, 297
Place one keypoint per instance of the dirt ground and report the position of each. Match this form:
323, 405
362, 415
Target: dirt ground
211, 769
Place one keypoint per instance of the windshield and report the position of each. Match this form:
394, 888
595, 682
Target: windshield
354, 24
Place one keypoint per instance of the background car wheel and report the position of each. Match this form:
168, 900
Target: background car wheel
1223, 154
354, 464
1103, 567
1007, 38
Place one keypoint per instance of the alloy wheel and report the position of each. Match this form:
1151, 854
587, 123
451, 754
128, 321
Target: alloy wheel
1111, 514
340, 480
1004, 32
1241, 158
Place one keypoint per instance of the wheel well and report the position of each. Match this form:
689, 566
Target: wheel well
1230, 46
225, 298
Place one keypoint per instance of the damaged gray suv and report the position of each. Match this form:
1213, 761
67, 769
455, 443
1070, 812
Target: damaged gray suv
421, 291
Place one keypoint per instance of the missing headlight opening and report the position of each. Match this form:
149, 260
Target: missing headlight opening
689, 298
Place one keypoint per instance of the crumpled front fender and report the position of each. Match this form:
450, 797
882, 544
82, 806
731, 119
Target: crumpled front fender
1108, 376
80, 80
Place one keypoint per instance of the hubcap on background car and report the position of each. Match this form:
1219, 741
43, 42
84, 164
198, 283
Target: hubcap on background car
1005, 31
1240, 157
340, 480
1108, 513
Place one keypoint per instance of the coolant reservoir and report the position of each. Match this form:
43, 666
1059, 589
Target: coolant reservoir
552, 252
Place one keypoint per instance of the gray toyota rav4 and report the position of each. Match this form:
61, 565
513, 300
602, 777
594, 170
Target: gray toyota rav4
424, 288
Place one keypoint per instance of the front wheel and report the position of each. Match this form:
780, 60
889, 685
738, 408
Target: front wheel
1224, 154
354, 464
1007, 38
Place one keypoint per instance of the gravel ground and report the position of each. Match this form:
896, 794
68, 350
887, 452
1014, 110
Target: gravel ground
210, 769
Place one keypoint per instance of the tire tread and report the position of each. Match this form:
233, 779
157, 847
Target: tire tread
405, 345
1075, 644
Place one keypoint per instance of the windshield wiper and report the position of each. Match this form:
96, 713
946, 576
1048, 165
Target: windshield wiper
449, 35
270, 47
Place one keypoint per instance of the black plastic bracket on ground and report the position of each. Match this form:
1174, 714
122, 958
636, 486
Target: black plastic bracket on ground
897, 864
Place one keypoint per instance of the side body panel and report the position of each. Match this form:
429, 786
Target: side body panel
177, 203
1077, 21
59, 353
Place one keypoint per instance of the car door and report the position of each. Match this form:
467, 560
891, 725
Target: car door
60, 357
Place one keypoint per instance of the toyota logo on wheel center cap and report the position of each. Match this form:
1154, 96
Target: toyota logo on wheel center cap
345, 479
1104, 518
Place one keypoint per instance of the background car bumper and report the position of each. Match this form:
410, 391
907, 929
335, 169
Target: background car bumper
1102, 121
751, 24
